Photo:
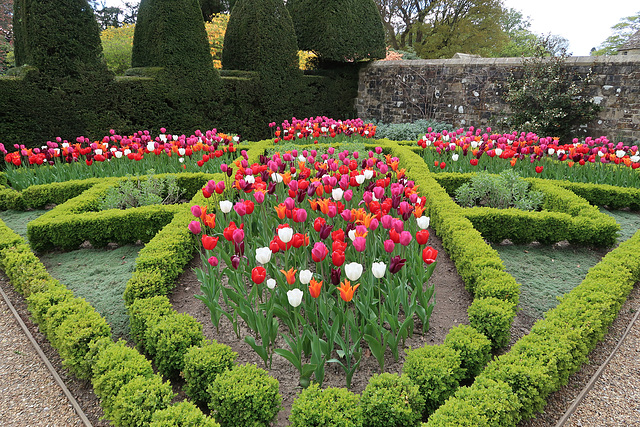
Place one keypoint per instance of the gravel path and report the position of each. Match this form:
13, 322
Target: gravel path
29, 395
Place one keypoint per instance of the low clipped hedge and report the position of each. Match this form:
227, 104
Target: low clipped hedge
202, 364
315, 407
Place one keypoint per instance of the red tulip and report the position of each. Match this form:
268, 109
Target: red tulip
474, 162
539, 169
337, 257
422, 237
429, 255
258, 274
319, 222
209, 242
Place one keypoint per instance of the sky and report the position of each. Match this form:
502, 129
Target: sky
585, 23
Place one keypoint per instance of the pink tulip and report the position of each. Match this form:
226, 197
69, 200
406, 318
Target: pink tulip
378, 192
387, 221
194, 227
238, 235
346, 214
389, 246
405, 238
213, 261
348, 195
289, 203
240, 208
301, 215
398, 225
374, 224
259, 196
332, 212
360, 243
196, 211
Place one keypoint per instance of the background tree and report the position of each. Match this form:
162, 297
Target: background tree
339, 30
210, 8
624, 29
467, 26
6, 32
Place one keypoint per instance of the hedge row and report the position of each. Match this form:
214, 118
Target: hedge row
556, 347
565, 216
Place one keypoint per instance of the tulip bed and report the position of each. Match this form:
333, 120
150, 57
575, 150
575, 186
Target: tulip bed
512, 387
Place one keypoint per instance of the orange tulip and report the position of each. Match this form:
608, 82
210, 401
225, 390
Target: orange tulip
346, 291
281, 210
314, 288
290, 275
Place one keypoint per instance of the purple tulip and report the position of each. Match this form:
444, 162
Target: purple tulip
235, 261
396, 264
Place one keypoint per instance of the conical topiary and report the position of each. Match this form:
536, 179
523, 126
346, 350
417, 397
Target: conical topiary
339, 30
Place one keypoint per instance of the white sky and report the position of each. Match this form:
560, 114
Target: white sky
585, 23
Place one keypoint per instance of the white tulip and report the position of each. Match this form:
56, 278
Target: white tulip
352, 235
181, 159
498, 151
619, 153
353, 270
306, 276
285, 234
151, 146
423, 222
271, 283
127, 151
368, 173
181, 151
99, 151
378, 269
250, 179
337, 194
474, 144
276, 177
302, 158
263, 255
551, 151
295, 297
236, 138
226, 206
454, 157
360, 179
118, 154
635, 159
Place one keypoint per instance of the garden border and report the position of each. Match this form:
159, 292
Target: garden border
453, 230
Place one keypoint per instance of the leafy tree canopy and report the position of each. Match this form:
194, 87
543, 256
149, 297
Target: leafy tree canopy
624, 29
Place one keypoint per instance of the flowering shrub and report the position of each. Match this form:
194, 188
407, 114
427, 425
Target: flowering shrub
332, 247
592, 160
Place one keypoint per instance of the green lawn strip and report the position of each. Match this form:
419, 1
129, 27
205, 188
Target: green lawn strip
99, 276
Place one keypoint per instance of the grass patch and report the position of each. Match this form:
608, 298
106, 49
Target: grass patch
547, 272
18, 220
100, 277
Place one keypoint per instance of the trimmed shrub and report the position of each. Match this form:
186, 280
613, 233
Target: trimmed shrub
391, 400
436, 371
144, 284
339, 30
202, 365
73, 337
170, 338
474, 349
244, 396
497, 284
331, 407
492, 317
143, 314
138, 400
40, 303
486, 403
115, 365
58, 313
182, 414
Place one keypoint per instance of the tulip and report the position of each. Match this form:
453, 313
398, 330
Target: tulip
429, 255
295, 297
423, 222
258, 274
346, 291
337, 258
196, 211
389, 245
263, 255
315, 288
396, 264
238, 235
271, 283
318, 223
405, 238
285, 234
378, 269
353, 270
259, 196
213, 261
194, 227
422, 237
386, 221
360, 243
209, 242
348, 195
290, 275
305, 276
240, 209
337, 194
235, 261
319, 252
226, 206
301, 215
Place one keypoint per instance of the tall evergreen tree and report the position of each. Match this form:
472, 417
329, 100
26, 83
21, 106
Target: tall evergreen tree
339, 30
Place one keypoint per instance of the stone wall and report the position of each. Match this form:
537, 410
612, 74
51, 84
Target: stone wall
468, 92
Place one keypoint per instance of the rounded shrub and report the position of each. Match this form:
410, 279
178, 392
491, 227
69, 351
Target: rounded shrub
138, 400
39, 303
183, 414
202, 365
115, 365
59, 313
391, 400
492, 317
486, 402
498, 284
323, 408
436, 371
73, 337
474, 349
339, 30
170, 338
144, 313
144, 284
244, 396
